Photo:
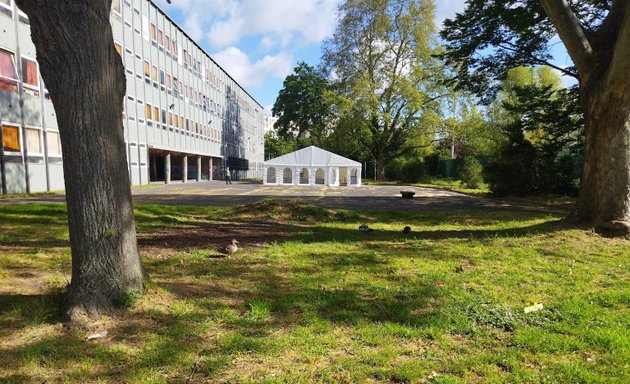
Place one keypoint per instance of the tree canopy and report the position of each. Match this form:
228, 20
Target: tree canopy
301, 106
381, 60
492, 36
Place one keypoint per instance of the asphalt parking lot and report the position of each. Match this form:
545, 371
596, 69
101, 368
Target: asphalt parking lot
365, 197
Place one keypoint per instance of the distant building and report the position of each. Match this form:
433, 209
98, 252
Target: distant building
269, 122
181, 107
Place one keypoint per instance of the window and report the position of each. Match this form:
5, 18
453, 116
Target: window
162, 77
176, 121
160, 37
169, 81
148, 114
29, 74
156, 114
116, 6
8, 71
147, 71
54, 146
6, 8
181, 122
170, 118
153, 33
163, 116
119, 48
271, 175
11, 138
33, 143
154, 73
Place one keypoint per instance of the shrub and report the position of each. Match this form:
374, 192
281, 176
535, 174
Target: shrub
406, 170
413, 171
470, 173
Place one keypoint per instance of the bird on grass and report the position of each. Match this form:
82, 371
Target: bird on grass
230, 249
406, 230
365, 228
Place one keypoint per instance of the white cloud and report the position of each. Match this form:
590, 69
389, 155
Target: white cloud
248, 74
226, 22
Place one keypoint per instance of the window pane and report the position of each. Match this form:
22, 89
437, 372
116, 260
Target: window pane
116, 6
148, 112
54, 146
156, 114
153, 32
33, 144
118, 48
29, 72
11, 138
154, 74
8, 71
147, 69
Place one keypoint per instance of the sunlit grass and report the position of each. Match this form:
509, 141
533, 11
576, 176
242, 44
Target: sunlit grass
327, 303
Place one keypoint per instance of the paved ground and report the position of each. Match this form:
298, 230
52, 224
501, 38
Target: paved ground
369, 197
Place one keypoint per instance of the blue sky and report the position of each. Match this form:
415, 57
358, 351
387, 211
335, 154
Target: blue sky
259, 42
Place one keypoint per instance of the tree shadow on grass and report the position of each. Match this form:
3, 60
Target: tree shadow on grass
323, 234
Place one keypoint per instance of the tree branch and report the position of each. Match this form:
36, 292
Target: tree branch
612, 24
564, 71
620, 63
572, 33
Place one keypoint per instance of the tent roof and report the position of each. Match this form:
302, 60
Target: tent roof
312, 156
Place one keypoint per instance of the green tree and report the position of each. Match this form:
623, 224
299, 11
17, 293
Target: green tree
542, 125
86, 80
464, 125
301, 106
492, 36
381, 58
277, 146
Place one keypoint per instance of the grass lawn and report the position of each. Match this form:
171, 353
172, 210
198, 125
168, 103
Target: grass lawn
310, 299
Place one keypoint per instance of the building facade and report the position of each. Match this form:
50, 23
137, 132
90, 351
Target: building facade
185, 118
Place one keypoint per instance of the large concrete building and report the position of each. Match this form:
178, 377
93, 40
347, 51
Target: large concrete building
185, 118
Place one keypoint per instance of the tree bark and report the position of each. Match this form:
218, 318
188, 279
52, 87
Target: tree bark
85, 78
603, 61
604, 198
380, 166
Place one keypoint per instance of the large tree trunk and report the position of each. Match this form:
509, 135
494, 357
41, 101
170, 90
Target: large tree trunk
604, 198
602, 58
85, 78
380, 166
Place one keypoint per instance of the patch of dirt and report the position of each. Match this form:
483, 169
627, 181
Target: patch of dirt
211, 236
30, 281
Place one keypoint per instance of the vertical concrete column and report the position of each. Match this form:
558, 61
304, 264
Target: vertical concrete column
198, 168
211, 168
167, 168
185, 169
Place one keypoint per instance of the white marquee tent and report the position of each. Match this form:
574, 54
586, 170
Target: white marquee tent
311, 166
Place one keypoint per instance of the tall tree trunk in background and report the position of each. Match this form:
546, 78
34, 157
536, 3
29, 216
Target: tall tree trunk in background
380, 165
85, 78
602, 58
